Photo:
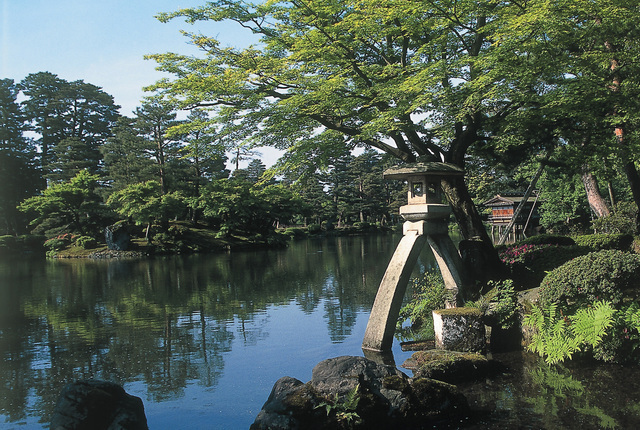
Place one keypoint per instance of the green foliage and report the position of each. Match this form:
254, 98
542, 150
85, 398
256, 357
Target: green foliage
7, 242
499, 305
629, 325
145, 203
86, 242
622, 220
598, 242
72, 206
428, 294
314, 228
346, 410
528, 264
558, 336
295, 232
547, 239
602, 275
563, 204
59, 243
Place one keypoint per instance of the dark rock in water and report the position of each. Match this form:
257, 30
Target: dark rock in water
117, 236
354, 392
451, 366
97, 405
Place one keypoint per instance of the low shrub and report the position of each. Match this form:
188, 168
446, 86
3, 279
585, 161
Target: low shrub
427, 294
86, 242
7, 242
361, 225
601, 275
548, 239
56, 244
622, 220
314, 228
597, 242
499, 305
294, 232
528, 264
559, 336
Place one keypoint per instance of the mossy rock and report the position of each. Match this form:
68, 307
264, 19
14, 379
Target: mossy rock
451, 366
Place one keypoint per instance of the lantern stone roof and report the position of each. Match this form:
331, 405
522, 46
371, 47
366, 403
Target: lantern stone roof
432, 168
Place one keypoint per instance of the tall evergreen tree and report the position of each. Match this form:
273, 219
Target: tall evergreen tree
44, 108
18, 175
125, 154
72, 120
153, 119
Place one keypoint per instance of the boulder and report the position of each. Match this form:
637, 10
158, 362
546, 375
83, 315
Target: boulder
354, 392
451, 366
98, 405
117, 236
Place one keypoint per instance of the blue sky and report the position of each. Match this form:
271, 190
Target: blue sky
102, 42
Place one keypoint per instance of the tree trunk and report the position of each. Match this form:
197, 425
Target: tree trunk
472, 227
597, 203
464, 209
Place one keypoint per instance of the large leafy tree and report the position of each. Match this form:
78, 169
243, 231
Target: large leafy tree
146, 203
18, 175
72, 206
396, 75
576, 61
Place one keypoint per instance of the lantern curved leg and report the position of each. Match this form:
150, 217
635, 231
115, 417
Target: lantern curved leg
386, 307
450, 265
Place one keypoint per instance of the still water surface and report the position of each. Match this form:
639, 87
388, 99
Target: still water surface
202, 339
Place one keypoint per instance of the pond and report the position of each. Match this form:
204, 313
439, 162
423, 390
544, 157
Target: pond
201, 339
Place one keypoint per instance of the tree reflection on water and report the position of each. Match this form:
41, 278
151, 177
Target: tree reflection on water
169, 322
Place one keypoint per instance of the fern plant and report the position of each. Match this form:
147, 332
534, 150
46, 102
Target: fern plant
558, 337
344, 411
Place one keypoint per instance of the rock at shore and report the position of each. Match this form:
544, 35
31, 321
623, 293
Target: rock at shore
98, 405
451, 366
357, 393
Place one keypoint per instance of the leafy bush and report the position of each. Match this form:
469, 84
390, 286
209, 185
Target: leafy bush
362, 225
598, 242
428, 294
528, 264
621, 221
55, 244
59, 242
7, 242
609, 275
602, 275
314, 228
548, 239
499, 305
559, 336
294, 232
86, 242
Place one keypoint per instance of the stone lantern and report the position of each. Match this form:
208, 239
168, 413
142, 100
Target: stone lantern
426, 217
425, 200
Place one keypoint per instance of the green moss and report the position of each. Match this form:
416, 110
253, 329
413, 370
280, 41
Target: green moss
459, 311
